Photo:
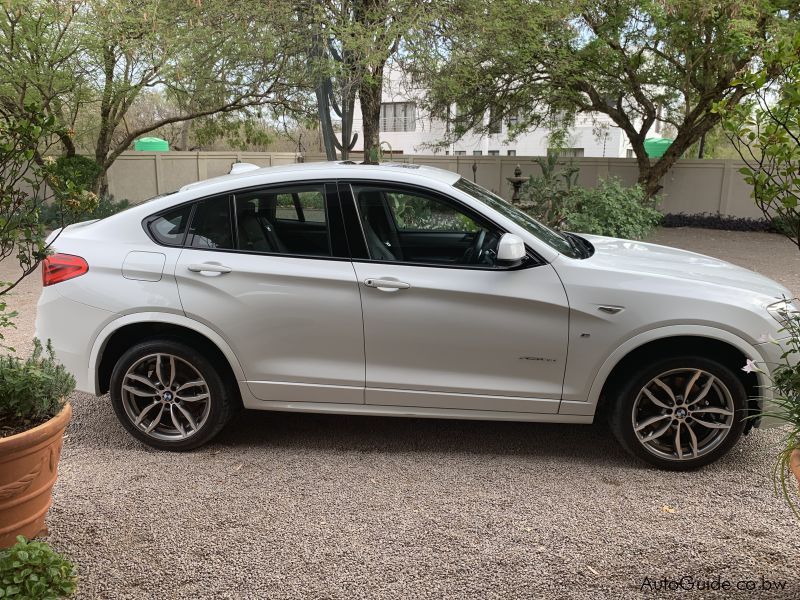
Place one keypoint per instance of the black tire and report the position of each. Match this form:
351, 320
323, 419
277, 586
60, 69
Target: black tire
621, 419
222, 397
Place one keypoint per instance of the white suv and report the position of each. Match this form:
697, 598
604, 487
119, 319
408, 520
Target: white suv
399, 290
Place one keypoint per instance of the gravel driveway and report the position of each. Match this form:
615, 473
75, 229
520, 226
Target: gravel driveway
309, 506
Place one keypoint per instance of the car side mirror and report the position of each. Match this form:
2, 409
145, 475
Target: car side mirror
510, 250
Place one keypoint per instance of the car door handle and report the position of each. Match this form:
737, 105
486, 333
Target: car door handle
387, 285
209, 268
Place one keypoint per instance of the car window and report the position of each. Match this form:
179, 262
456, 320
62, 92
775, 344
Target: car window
301, 204
554, 239
170, 227
417, 227
211, 225
414, 212
283, 221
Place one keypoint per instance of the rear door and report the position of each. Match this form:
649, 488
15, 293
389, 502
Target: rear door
284, 296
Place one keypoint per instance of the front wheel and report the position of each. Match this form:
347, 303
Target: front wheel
169, 395
679, 413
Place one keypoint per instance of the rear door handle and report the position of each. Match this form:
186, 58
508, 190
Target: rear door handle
209, 267
387, 285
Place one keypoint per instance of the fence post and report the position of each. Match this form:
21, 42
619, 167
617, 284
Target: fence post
725, 188
159, 173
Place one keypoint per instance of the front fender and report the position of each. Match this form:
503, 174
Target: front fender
660, 333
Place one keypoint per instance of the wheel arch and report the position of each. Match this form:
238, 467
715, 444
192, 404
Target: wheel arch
716, 344
121, 333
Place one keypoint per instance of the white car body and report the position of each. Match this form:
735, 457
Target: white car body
305, 334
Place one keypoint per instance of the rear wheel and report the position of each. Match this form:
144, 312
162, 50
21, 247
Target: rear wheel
679, 413
169, 395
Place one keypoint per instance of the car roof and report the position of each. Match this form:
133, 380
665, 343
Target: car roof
337, 170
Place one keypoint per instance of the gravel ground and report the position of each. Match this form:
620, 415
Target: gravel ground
310, 506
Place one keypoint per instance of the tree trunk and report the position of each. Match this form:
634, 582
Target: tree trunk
185, 135
370, 95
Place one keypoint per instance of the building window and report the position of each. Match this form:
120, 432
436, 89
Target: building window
566, 152
447, 152
494, 152
460, 152
513, 120
629, 153
512, 153
476, 153
398, 116
495, 121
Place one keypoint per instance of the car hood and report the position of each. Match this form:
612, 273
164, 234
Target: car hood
663, 261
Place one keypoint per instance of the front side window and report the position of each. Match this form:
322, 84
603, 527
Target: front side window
289, 220
417, 227
550, 237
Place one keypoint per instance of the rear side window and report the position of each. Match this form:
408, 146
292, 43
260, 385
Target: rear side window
211, 225
306, 205
288, 220
170, 227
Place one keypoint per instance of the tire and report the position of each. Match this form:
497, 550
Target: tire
723, 407
189, 395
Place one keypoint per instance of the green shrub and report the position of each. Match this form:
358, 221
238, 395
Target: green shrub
82, 171
106, 206
612, 209
34, 389
34, 571
548, 197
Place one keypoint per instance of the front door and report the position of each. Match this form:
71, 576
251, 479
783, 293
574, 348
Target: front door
444, 326
266, 269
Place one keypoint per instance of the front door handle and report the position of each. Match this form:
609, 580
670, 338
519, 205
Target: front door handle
387, 285
209, 267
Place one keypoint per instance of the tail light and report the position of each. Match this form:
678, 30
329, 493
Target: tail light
60, 267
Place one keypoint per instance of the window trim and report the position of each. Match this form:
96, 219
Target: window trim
347, 196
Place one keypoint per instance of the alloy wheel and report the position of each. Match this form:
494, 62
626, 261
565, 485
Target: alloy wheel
165, 397
683, 414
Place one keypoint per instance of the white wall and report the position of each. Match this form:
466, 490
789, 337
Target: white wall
611, 142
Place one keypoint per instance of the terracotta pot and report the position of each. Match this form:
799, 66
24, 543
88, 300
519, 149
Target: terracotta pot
28, 470
794, 464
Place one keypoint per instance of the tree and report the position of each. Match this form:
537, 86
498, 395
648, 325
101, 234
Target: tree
766, 134
211, 59
361, 37
636, 61
41, 52
331, 70
28, 180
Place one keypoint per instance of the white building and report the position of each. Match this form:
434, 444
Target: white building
405, 129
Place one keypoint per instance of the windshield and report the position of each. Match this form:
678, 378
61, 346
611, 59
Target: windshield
555, 240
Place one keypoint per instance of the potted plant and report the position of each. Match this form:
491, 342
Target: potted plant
34, 390
785, 406
33, 415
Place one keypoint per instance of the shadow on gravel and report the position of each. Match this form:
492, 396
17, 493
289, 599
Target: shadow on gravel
95, 426
344, 433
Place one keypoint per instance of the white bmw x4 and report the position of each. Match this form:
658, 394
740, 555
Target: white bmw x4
400, 290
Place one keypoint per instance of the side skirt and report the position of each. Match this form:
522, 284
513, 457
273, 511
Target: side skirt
414, 411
